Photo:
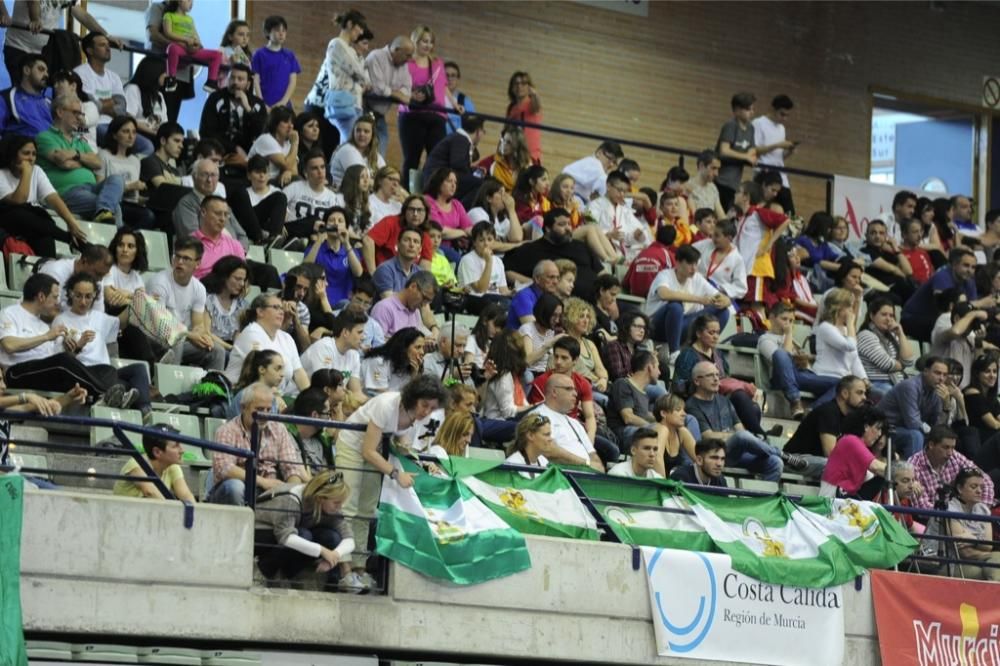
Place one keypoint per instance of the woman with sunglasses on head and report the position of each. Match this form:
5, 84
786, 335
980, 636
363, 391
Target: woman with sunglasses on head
525, 105
533, 442
301, 525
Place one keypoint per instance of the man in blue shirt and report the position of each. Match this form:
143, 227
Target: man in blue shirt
24, 109
546, 276
914, 405
391, 276
920, 312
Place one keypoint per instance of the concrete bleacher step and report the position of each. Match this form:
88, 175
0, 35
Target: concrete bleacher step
90, 464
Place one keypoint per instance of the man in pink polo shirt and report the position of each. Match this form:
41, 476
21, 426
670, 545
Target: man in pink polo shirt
212, 218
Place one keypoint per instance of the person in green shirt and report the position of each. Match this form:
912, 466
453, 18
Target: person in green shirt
71, 166
441, 268
164, 457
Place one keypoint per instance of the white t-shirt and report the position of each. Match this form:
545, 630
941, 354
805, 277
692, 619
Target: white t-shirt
621, 218
129, 282
133, 105
100, 87
382, 411
501, 227
180, 300
377, 375
749, 233
425, 431
478, 355
346, 156
625, 469
567, 432
696, 285
303, 201
470, 269
765, 133
265, 146
17, 322
324, 354
255, 338
61, 270
538, 340
380, 209
38, 190
256, 198
517, 458
105, 328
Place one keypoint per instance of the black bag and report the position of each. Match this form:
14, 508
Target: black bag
63, 51
427, 89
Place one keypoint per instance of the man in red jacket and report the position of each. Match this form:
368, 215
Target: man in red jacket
652, 260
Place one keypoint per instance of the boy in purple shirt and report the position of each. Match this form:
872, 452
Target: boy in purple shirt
275, 68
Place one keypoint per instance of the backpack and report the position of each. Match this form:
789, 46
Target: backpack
63, 51
15, 245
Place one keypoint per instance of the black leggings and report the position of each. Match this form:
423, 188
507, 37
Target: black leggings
418, 132
747, 410
271, 212
34, 225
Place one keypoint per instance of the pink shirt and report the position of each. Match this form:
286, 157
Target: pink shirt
848, 464
421, 75
223, 246
456, 219
392, 315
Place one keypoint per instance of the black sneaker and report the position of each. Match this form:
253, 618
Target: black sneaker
794, 462
775, 431
210, 86
114, 396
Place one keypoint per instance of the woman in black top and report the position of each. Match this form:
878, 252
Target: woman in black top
982, 405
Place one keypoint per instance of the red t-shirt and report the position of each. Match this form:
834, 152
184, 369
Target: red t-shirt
584, 391
920, 261
644, 268
385, 234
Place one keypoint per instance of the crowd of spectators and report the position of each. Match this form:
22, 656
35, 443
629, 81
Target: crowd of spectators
555, 367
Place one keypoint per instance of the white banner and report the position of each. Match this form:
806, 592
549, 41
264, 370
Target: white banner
702, 609
860, 201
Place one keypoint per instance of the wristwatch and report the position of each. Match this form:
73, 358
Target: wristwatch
394, 474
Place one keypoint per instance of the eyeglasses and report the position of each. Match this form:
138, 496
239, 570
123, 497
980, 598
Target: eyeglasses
415, 209
185, 259
336, 477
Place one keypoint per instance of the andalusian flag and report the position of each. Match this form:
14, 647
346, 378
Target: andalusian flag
773, 540
441, 529
546, 504
12, 652
647, 513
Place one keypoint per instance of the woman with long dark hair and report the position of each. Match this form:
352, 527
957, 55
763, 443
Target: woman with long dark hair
145, 102
118, 158
226, 285
503, 394
24, 188
394, 364
882, 345
494, 205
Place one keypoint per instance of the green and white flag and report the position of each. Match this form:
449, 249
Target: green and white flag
441, 529
773, 540
12, 652
546, 504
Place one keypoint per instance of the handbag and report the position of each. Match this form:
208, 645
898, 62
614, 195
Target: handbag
427, 89
156, 321
339, 104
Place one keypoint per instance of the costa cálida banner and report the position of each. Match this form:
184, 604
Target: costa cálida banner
703, 609
936, 621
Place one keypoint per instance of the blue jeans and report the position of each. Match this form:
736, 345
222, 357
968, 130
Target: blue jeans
345, 124
606, 450
792, 381
907, 442
654, 391
756, 455
230, 491
879, 389
670, 323
382, 132
87, 200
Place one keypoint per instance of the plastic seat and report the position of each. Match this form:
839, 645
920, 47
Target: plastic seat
211, 425
19, 271
285, 260
189, 426
176, 379
758, 485
157, 250
99, 233
799, 489
256, 253
133, 416
118, 363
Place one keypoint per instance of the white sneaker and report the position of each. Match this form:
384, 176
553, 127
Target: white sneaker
353, 583
368, 580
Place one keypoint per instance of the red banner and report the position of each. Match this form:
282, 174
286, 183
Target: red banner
936, 621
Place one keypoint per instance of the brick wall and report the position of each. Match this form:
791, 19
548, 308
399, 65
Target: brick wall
667, 78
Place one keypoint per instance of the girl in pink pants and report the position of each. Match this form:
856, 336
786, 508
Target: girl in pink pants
178, 27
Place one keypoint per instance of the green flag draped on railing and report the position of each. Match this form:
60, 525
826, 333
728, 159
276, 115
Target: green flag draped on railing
12, 652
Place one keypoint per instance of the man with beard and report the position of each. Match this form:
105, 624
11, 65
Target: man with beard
234, 116
24, 109
557, 243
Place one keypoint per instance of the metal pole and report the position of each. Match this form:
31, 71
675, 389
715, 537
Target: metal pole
250, 481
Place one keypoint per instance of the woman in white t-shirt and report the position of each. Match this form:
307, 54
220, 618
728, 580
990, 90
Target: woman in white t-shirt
280, 145
263, 331
144, 101
532, 441
495, 205
24, 189
539, 335
128, 262
361, 148
365, 468
118, 159
387, 199
394, 364
88, 333
226, 285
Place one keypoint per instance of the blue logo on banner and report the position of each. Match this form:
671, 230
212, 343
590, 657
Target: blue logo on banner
705, 614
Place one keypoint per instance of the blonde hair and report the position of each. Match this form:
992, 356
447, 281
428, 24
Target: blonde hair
458, 392
325, 485
419, 32
528, 425
382, 174
454, 429
574, 309
565, 266
835, 300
